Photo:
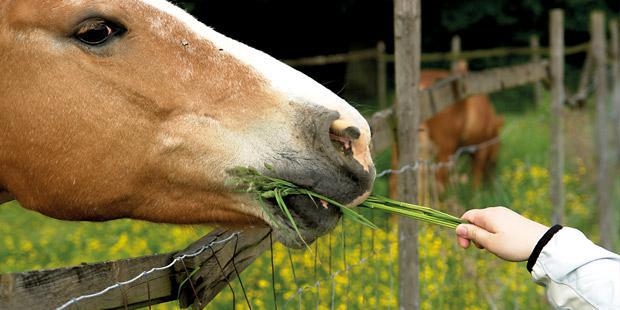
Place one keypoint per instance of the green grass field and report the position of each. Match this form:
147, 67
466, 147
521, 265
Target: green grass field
354, 266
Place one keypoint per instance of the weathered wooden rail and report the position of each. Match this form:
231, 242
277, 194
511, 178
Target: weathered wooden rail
449, 91
370, 54
216, 265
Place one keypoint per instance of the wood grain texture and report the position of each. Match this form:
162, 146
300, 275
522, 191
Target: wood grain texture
333, 59
48, 289
614, 59
556, 162
456, 52
214, 274
535, 58
381, 75
580, 97
366, 54
383, 127
599, 57
407, 41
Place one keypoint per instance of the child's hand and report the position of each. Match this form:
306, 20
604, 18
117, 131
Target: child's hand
501, 231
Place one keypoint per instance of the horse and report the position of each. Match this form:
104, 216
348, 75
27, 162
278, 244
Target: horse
135, 109
469, 122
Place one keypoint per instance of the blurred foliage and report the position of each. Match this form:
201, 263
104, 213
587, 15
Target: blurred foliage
481, 23
505, 22
292, 29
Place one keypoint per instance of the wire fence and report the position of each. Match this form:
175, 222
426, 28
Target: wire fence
330, 281
359, 263
468, 149
119, 285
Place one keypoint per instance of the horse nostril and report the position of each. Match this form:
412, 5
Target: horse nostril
344, 129
343, 136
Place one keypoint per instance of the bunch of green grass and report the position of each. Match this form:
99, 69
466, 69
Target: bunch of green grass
264, 187
415, 212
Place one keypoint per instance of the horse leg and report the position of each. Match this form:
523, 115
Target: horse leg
425, 156
443, 157
491, 165
479, 163
5, 197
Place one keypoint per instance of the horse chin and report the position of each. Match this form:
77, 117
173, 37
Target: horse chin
312, 220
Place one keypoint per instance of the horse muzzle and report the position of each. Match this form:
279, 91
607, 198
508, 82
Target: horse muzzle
334, 161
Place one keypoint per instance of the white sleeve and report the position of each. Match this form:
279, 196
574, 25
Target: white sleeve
577, 273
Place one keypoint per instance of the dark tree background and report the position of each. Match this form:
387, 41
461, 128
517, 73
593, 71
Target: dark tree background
290, 29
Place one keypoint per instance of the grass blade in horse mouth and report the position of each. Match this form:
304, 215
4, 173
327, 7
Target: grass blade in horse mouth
249, 180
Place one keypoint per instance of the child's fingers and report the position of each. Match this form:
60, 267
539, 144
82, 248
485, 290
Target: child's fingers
463, 242
474, 233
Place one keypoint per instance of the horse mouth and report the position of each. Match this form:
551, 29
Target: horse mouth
309, 219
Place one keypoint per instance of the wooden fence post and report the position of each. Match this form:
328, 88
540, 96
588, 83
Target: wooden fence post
381, 76
615, 77
456, 52
535, 46
581, 96
599, 53
615, 114
407, 61
556, 162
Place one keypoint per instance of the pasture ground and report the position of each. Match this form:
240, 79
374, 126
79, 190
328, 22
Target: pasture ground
361, 271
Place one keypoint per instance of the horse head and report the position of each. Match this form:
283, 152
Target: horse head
134, 109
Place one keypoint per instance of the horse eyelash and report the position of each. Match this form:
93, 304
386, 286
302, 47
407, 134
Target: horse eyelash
119, 28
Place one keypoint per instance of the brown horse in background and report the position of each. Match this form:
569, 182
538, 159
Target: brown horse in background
469, 122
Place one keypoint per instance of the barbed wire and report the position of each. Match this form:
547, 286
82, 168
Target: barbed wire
419, 164
581, 94
445, 164
145, 273
331, 277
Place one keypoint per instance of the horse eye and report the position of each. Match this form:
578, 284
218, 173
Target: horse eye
97, 33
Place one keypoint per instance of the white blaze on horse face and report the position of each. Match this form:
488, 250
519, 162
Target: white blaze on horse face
294, 85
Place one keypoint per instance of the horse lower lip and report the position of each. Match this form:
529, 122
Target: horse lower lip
312, 218
307, 213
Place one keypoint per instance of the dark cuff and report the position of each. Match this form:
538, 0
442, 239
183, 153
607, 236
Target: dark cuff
540, 245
